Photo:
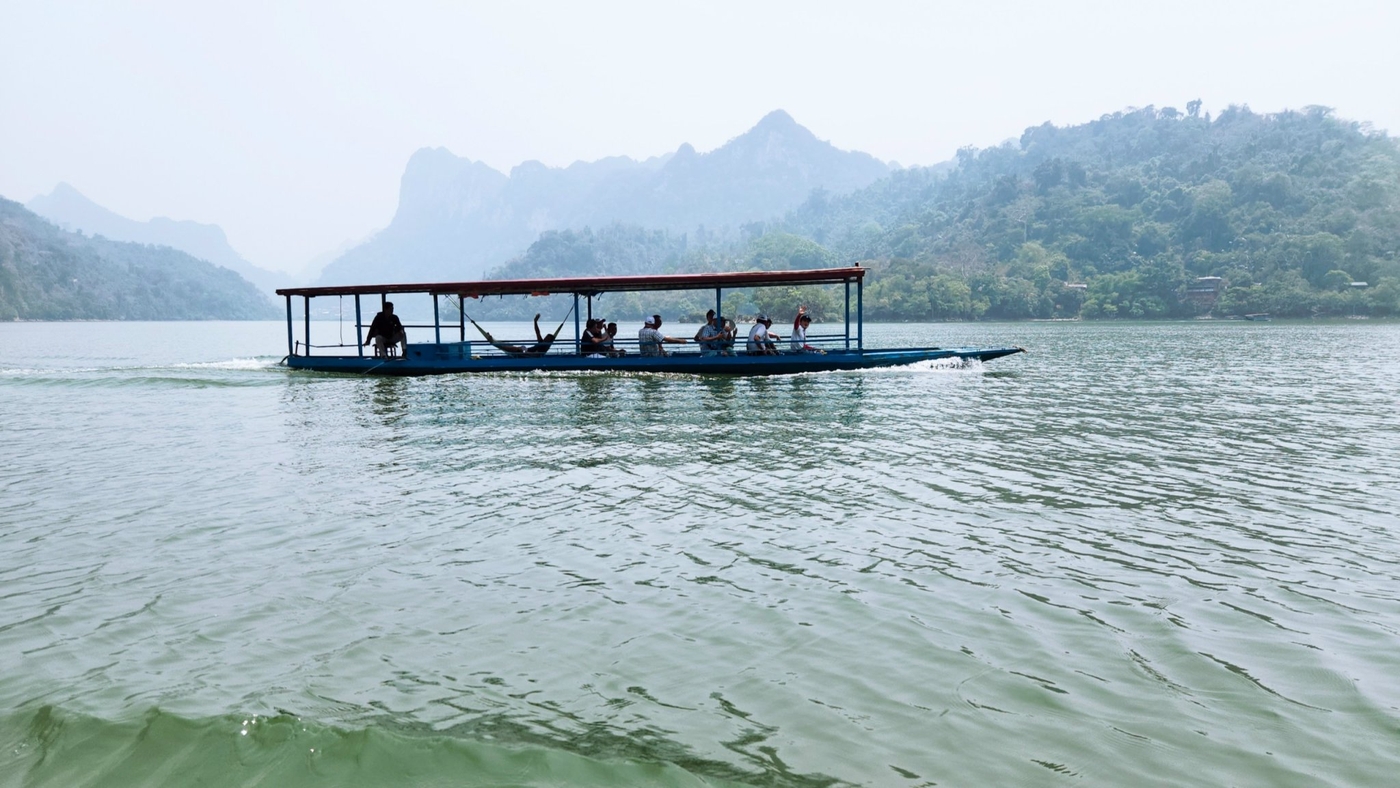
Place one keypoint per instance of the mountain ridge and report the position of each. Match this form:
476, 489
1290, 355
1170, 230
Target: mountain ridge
48, 273
458, 218
72, 210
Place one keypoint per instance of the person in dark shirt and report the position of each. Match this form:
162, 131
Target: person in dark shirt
595, 337
386, 330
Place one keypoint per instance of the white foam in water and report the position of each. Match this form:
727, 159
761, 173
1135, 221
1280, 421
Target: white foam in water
234, 364
971, 365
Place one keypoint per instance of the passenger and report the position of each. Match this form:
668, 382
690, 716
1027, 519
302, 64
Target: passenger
541, 346
798, 342
594, 338
726, 345
650, 339
386, 330
608, 343
710, 336
542, 343
761, 340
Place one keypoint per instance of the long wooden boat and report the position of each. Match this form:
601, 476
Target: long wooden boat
445, 354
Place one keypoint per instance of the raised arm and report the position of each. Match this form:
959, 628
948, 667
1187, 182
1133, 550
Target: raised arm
538, 336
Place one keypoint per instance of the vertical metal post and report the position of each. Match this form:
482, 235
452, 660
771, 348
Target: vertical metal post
291, 342
578, 333
437, 324
306, 314
860, 314
359, 335
848, 314
461, 318
719, 302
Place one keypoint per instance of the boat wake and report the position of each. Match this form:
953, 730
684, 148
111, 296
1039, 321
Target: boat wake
230, 372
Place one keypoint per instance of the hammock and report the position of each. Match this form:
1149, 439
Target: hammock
516, 350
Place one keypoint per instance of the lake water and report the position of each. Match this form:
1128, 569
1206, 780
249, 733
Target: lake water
1140, 554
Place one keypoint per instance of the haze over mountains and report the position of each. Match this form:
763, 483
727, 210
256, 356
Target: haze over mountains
68, 208
1145, 213
459, 218
47, 273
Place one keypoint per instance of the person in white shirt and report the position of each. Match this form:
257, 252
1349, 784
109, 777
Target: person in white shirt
761, 341
798, 342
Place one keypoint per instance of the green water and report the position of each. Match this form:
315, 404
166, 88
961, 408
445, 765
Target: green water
1141, 554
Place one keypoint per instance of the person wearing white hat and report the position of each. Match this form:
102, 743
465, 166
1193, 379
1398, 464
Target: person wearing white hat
650, 339
761, 340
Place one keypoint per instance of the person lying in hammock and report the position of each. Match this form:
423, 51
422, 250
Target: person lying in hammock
541, 346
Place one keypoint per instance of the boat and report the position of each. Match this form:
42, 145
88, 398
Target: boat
1258, 317
843, 350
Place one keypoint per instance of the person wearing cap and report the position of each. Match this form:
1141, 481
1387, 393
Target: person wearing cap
386, 331
650, 339
761, 340
798, 341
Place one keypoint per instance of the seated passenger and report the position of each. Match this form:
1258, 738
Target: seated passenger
726, 344
798, 342
761, 340
710, 336
610, 349
386, 330
594, 337
650, 339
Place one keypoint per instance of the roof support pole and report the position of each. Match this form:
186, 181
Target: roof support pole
860, 314
578, 333
719, 303
291, 348
437, 324
848, 314
359, 335
306, 315
461, 318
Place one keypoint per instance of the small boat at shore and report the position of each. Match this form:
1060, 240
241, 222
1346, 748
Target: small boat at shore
843, 350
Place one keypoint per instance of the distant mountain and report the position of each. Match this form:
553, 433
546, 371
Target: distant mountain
458, 218
71, 210
50, 274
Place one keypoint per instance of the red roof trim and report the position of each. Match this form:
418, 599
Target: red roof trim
598, 284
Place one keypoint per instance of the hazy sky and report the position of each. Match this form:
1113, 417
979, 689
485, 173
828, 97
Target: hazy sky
289, 124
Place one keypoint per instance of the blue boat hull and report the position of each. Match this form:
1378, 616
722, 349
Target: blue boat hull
429, 359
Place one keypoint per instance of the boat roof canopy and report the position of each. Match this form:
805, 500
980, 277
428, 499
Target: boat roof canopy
598, 284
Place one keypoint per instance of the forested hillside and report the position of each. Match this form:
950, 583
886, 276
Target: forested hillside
1288, 209
68, 208
50, 274
1118, 218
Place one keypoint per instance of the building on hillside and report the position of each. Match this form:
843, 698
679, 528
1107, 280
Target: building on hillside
1205, 289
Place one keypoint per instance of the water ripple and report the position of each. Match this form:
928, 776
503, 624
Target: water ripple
1139, 553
